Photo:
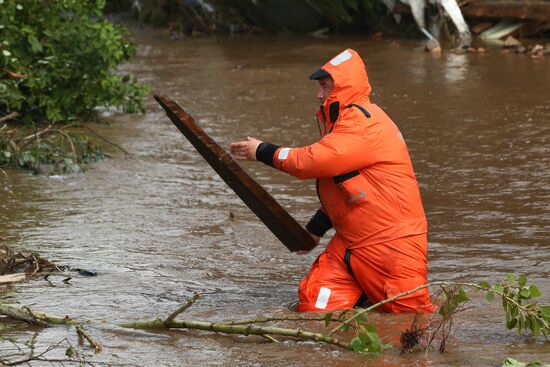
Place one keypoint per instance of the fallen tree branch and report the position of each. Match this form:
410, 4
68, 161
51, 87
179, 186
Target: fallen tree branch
21, 316
54, 320
237, 329
322, 317
9, 116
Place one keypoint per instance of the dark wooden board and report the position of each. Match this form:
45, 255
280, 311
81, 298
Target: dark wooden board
273, 215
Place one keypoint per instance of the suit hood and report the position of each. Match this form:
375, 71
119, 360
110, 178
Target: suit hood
351, 84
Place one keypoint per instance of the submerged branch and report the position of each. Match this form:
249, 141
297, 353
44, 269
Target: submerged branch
83, 334
109, 142
237, 329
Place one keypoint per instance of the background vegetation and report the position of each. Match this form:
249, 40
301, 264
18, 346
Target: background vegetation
58, 63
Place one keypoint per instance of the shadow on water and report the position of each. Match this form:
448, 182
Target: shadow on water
157, 228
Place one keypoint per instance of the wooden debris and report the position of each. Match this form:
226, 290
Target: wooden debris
12, 278
478, 28
535, 10
17, 262
502, 29
511, 42
537, 52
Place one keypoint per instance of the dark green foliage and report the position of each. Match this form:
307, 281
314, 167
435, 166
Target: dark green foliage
59, 58
366, 339
352, 15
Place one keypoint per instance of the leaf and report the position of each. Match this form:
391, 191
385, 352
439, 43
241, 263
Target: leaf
535, 327
370, 327
70, 352
485, 284
525, 293
328, 317
344, 328
510, 362
461, 296
511, 323
511, 277
522, 280
356, 345
490, 296
545, 311
363, 317
535, 293
498, 288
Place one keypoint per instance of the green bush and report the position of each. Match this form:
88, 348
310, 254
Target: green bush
352, 15
59, 59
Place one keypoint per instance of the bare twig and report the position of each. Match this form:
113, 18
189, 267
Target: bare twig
182, 308
37, 134
270, 338
73, 149
9, 116
109, 142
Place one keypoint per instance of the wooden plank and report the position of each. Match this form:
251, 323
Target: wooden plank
521, 9
535, 10
273, 215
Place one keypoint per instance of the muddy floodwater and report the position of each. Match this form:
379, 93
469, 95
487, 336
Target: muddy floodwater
158, 227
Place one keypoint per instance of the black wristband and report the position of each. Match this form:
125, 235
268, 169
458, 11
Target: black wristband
319, 224
265, 152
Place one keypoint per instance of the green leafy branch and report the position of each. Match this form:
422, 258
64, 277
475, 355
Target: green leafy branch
514, 293
522, 312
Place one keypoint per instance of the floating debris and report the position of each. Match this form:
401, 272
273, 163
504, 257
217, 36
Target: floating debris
12, 262
502, 29
511, 42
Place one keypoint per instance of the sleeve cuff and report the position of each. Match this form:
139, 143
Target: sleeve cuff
319, 224
265, 152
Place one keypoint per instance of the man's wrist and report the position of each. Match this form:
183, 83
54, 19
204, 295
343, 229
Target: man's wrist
319, 224
265, 152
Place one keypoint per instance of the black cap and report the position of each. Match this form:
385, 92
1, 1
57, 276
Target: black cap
319, 74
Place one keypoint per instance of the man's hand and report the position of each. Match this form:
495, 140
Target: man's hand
245, 150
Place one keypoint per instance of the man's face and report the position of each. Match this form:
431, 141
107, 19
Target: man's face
326, 85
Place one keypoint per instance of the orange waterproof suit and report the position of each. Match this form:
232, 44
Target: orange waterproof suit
368, 192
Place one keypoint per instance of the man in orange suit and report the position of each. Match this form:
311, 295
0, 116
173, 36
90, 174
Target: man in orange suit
368, 193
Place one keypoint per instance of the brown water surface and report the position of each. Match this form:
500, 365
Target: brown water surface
157, 228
